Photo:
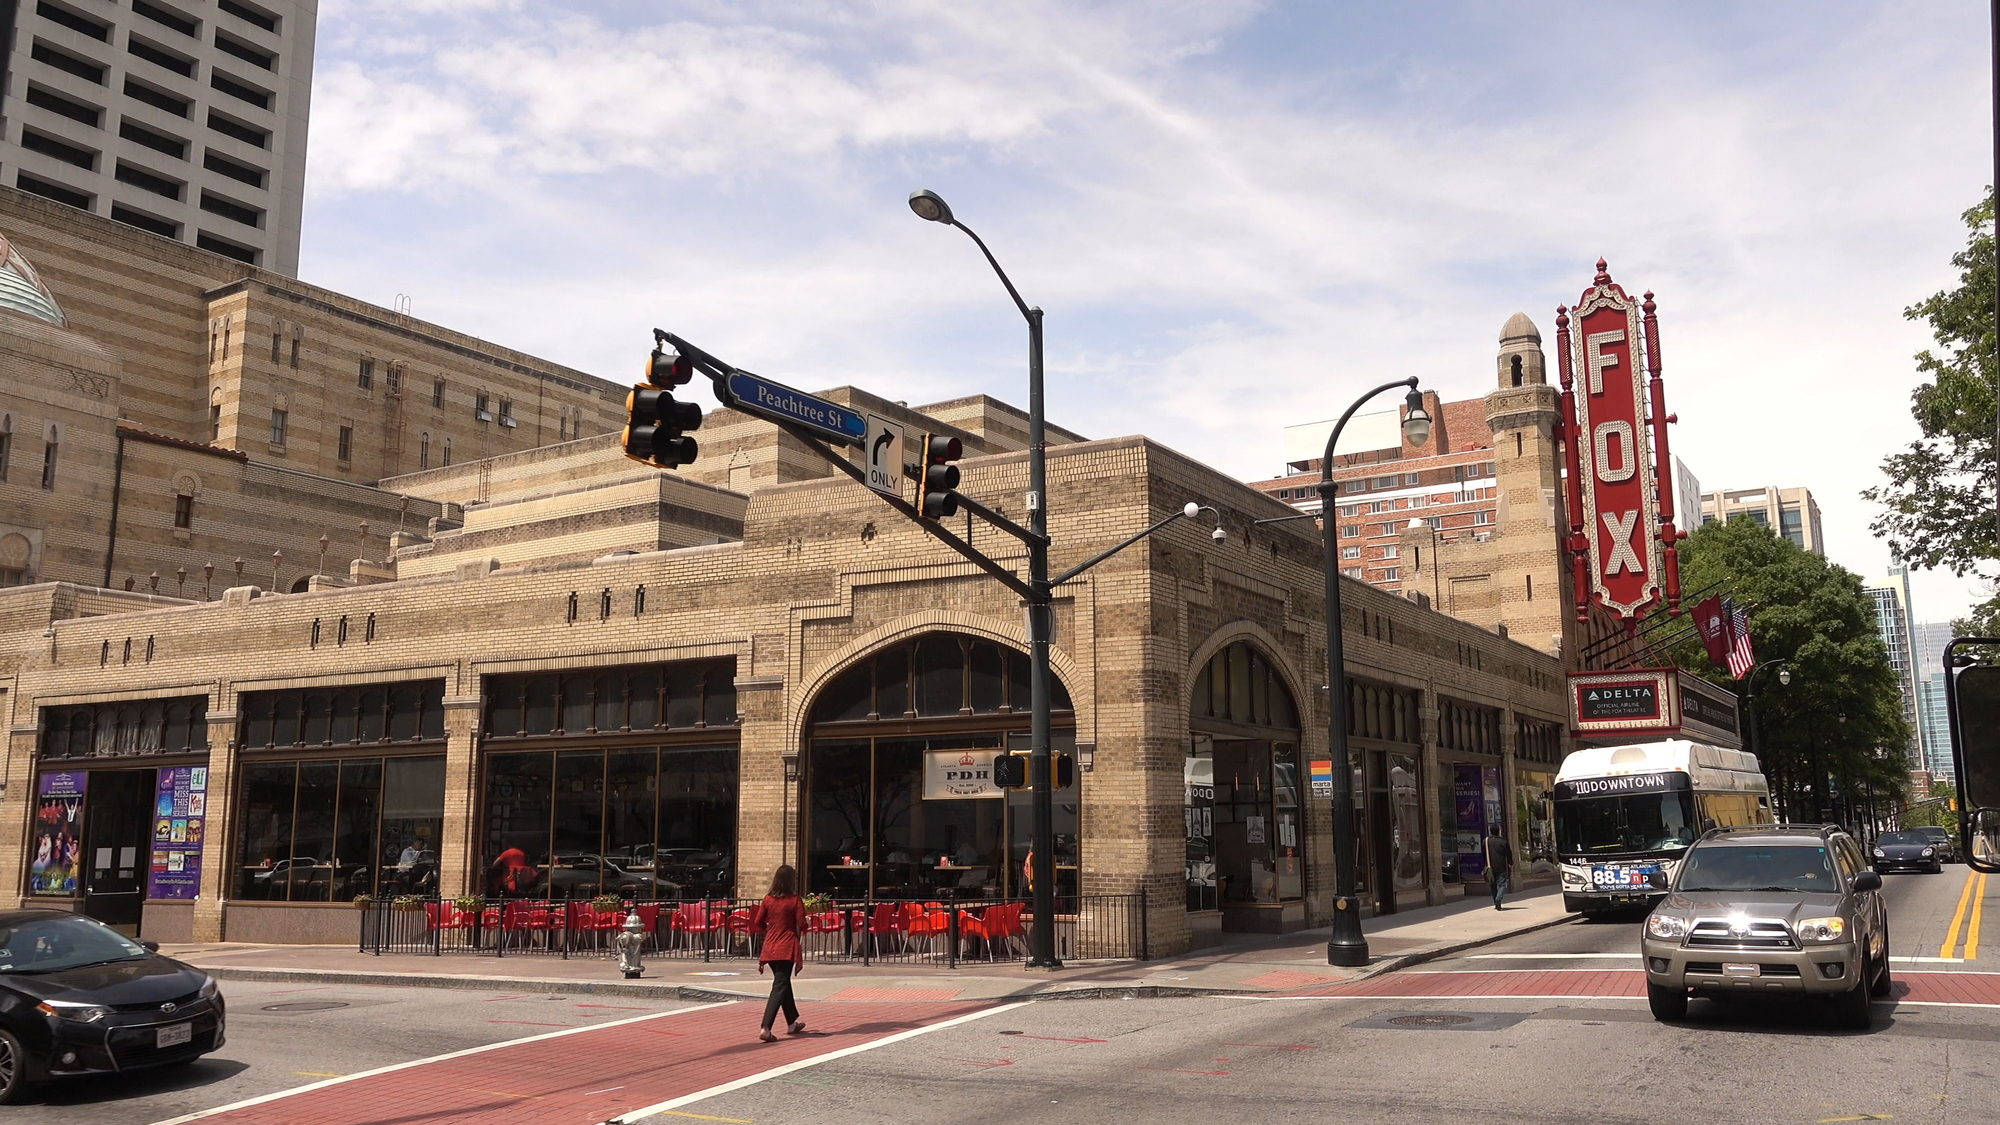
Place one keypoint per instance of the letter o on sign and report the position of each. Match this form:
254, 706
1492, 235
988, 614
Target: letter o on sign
1627, 462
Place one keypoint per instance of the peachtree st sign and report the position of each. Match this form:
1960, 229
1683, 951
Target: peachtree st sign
1641, 700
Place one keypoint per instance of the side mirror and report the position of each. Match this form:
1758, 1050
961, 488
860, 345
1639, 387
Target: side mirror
150, 946
1982, 844
1867, 881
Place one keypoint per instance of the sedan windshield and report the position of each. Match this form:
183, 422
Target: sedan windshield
1903, 839
52, 944
1741, 867
1636, 822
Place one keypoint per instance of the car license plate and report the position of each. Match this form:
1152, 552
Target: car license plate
175, 1035
1729, 970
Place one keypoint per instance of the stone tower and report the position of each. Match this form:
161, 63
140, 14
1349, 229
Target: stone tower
1514, 578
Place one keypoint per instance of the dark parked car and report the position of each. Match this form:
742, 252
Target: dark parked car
1906, 851
79, 998
1947, 846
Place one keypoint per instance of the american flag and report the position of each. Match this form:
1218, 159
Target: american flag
1741, 660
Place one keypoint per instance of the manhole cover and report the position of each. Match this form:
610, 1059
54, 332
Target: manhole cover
1430, 1019
1441, 1021
306, 1006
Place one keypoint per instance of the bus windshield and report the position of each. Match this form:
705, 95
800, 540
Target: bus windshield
1632, 822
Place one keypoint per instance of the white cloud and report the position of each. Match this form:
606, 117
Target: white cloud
1236, 217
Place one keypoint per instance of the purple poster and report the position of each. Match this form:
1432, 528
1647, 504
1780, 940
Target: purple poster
58, 847
179, 814
1470, 801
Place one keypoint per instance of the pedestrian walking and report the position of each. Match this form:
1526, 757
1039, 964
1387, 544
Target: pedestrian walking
781, 918
1499, 861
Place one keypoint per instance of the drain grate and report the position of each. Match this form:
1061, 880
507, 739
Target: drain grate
1431, 1019
298, 1006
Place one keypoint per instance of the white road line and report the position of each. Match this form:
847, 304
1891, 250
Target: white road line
633, 1115
1928, 960
1551, 956
311, 1086
1511, 972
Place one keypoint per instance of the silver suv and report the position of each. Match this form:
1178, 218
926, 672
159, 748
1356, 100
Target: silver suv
1761, 909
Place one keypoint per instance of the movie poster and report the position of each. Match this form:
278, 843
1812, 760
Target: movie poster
58, 847
179, 813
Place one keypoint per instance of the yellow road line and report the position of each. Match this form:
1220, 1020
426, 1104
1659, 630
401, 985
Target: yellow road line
1972, 927
1958, 918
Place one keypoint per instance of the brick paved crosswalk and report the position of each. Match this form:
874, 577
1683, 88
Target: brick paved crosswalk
590, 1075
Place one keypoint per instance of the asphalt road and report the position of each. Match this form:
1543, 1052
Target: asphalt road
1464, 1058
287, 1035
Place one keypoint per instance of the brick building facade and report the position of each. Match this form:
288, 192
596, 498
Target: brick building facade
577, 675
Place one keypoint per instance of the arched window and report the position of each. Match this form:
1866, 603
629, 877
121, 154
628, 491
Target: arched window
1242, 790
899, 800
424, 450
1514, 362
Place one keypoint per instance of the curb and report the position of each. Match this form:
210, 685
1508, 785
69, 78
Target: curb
709, 994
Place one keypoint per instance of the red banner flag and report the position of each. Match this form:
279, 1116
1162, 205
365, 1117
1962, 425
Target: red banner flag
1713, 622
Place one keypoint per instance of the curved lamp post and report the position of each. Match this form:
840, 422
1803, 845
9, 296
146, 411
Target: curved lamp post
1750, 708
1347, 945
929, 206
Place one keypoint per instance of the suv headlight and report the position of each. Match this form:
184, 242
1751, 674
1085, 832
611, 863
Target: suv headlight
73, 1011
1666, 927
1822, 929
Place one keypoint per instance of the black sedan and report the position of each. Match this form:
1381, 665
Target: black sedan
1906, 851
78, 998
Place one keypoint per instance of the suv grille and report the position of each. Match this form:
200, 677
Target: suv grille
1715, 934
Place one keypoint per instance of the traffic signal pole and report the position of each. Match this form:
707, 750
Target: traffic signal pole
1042, 886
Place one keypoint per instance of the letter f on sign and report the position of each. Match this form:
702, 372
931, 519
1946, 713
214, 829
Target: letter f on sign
1593, 350
1623, 557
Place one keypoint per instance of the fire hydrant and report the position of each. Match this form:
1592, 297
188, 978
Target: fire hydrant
630, 943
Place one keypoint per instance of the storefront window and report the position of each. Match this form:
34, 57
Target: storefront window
899, 800
327, 831
650, 822
1244, 815
621, 700
160, 726
306, 718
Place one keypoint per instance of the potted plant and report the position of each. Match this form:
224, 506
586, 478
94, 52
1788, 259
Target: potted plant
818, 902
406, 902
607, 902
363, 901
469, 903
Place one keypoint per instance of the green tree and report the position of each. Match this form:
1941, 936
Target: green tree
1936, 812
1835, 735
1941, 491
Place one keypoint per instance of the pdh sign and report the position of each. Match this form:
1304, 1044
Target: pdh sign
1620, 489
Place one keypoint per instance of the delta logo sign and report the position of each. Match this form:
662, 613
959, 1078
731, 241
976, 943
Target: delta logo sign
1620, 493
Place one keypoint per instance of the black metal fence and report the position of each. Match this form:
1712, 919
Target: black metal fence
1087, 927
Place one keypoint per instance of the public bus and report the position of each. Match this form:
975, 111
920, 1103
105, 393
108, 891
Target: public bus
1625, 814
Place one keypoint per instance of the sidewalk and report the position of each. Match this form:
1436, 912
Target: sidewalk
1247, 964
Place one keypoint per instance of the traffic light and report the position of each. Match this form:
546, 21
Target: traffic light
1010, 771
1065, 771
939, 477
655, 424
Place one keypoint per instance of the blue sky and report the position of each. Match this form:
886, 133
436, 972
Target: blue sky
1236, 215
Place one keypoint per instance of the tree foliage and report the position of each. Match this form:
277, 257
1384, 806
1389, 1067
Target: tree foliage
1841, 717
1941, 491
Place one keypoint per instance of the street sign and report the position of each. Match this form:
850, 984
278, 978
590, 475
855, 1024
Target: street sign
885, 455
1322, 780
757, 395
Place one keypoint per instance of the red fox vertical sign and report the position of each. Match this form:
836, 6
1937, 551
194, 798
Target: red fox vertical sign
1620, 494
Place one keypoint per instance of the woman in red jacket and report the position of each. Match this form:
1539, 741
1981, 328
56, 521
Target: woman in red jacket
781, 918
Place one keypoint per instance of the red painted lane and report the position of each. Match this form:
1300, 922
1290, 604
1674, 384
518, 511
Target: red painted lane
1931, 988
592, 1075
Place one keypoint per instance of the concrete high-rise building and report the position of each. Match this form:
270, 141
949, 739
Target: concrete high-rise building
1893, 620
1791, 512
186, 118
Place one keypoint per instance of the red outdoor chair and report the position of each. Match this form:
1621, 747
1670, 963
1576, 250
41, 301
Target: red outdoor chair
690, 919
886, 921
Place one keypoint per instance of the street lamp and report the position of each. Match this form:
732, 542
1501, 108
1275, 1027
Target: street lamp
1347, 945
1750, 706
931, 207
